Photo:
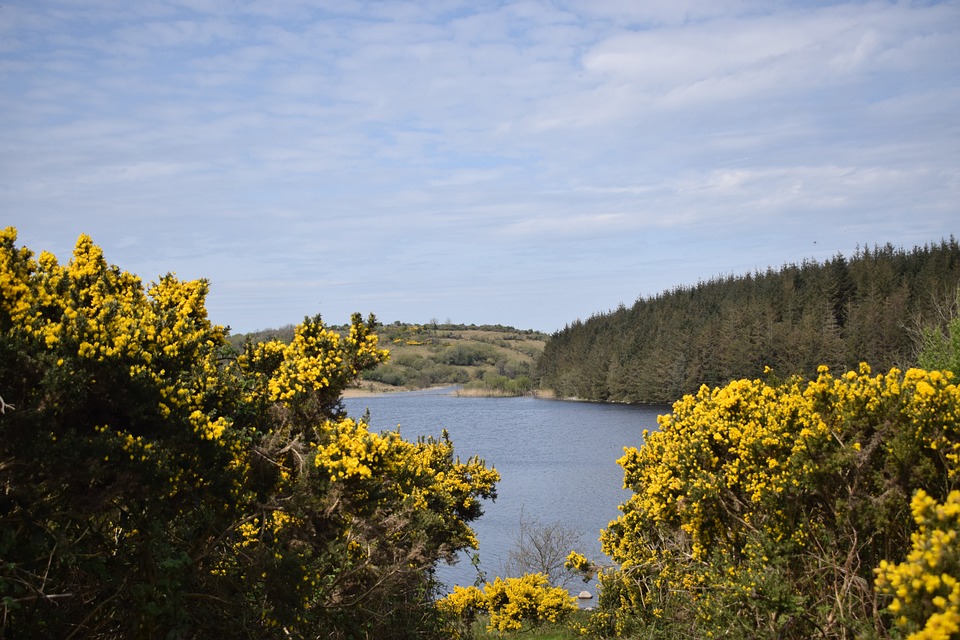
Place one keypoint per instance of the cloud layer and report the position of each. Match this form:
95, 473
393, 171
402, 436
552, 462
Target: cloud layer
525, 163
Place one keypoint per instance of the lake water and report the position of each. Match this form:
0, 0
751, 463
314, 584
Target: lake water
557, 460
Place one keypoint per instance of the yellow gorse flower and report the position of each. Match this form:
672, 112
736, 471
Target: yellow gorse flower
736, 473
926, 586
239, 475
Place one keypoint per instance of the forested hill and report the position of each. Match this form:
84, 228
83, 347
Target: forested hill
838, 313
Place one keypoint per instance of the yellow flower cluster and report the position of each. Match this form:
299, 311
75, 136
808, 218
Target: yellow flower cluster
208, 429
926, 586
934, 413
578, 562
318, 359
16, 267
462, 601
95, 312
248, 533
424, 473
527, 598
137, 447
511, 602
745, 442
309, 363
352, 451
737, 473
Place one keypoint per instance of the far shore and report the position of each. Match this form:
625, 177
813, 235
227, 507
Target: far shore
369, 389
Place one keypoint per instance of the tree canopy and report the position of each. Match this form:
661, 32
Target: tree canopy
837, 313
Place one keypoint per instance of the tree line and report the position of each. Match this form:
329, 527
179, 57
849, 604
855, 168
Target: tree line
837, 313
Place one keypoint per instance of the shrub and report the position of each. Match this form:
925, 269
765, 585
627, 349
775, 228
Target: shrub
926, 586
156, 483
760, 508
512, 603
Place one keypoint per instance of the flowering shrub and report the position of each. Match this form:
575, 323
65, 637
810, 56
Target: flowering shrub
155, 483
761, 507
511, 603
578, 562
926, 586
460, 608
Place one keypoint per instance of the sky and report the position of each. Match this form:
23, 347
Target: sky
523, 163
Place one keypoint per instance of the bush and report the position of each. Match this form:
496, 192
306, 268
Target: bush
156, 483
513, 604
761, 508
468, 355
926, 586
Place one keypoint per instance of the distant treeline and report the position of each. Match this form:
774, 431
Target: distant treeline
841, 312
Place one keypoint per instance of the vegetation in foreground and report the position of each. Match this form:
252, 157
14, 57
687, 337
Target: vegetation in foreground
155, 483
568, 629
792, 509
482, 360
786, 508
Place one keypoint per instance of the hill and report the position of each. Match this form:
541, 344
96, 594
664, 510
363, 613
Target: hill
484, 360
836, 313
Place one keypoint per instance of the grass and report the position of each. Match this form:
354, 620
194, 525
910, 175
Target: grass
545, 632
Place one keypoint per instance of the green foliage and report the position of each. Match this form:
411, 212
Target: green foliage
940, 343
468, 355
794, 319
760, 509
155, 482
487, 360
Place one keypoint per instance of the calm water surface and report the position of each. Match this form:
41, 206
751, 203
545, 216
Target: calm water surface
557, 460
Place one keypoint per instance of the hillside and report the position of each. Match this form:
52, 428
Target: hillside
837, 313
487, 359
483, 360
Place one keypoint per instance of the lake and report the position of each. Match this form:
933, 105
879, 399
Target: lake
557, 460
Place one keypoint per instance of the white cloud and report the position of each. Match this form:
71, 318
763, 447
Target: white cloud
445, 143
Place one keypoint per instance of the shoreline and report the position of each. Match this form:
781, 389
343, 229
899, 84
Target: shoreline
376, 389
369, 390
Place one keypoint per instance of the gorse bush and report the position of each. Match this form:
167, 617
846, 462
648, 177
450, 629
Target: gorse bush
156, 483
762, 508
513, 604
926, 586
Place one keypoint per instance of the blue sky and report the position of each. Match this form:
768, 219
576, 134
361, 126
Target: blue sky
522, 163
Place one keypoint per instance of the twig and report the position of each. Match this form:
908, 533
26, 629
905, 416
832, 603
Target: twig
4, 406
